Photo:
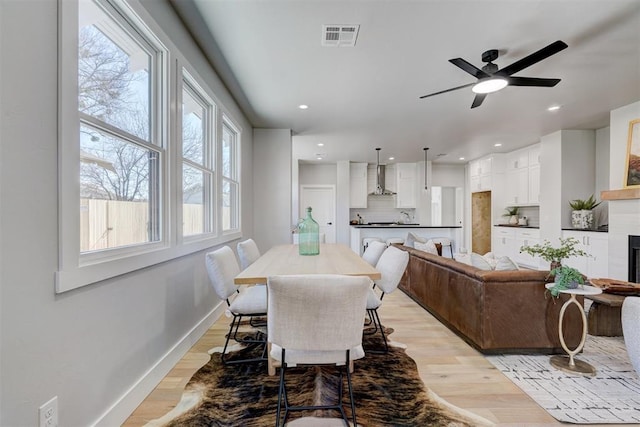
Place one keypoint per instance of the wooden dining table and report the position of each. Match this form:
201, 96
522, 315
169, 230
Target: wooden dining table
334, 258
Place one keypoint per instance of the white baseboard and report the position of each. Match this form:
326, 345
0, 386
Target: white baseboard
118, 413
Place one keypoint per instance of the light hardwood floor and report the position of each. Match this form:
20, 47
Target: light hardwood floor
447, 365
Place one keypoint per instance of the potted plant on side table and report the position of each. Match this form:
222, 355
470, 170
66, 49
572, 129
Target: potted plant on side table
564, 276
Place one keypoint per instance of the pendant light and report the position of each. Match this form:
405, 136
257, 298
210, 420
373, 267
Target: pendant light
426, 149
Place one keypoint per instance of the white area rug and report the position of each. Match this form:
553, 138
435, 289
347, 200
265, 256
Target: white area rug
611, 397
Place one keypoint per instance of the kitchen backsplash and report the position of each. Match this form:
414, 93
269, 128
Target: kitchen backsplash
381, 209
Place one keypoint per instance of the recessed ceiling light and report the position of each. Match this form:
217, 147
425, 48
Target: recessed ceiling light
318, 158
461, 158
553, 108
391, 158
303, 106
320, 144
497, 144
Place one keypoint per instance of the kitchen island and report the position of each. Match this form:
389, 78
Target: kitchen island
394, 230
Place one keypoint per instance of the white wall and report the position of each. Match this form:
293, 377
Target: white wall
567, 172
601, 212
312, 174
342, 202
272, 172
550, 186
446, 175
90, 346
624, 215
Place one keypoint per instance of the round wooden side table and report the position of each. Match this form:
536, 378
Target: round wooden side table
570, 363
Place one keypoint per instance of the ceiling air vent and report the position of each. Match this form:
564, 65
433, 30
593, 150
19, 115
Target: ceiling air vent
339, 35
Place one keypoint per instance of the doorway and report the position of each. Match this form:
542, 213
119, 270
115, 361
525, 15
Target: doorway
481, 222
322, 199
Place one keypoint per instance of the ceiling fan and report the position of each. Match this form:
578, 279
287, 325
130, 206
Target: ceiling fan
491, 79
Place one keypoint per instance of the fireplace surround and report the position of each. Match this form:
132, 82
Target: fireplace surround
634, 259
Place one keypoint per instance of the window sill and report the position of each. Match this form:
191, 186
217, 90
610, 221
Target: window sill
67, 279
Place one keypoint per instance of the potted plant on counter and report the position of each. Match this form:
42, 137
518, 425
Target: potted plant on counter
582, 214
512, 213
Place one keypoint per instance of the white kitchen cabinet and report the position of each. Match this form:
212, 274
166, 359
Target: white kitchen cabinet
523, 176
507, 241
503, 241
518, 186
474, 168
596, 245
526, 237
406, 185
480, 178
534, 184
534, 155
517, 159
358, 185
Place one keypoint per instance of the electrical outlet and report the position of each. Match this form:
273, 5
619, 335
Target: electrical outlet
48, 413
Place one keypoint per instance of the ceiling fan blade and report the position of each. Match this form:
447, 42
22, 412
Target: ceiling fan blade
447, 90
477, 101
469, 68
535, 57
532, 81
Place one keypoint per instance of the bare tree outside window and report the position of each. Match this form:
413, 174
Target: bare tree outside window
118, 163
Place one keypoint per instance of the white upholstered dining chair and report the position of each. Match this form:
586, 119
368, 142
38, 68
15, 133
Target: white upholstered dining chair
391, 266
248, 253
222, 268
373, 252
329, 331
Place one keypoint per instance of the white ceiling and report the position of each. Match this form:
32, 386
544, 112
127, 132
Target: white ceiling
269, 54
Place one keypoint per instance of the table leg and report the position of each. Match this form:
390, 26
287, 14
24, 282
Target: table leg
571, 364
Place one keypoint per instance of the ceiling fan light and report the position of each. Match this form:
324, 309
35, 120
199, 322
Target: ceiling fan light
490, 85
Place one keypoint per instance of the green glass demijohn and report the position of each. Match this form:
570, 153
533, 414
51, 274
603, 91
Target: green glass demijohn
308, 236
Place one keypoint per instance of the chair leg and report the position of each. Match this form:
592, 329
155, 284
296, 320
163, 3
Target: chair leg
351, 400
283, 367
235, 323
282, 395
377, 324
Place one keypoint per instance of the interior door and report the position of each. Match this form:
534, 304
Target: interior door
322, 199
481, 222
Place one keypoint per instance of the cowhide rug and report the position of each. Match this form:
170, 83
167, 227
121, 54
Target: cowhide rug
387, 389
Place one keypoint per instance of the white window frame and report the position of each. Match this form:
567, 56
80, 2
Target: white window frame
76, 270
235, 172
209, 157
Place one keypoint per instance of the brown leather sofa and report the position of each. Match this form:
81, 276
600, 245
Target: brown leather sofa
494, 311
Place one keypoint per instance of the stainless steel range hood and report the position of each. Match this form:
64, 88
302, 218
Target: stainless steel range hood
380, 177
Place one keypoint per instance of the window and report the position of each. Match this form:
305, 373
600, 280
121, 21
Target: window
230, 185
120, 174
198, 158
134, 192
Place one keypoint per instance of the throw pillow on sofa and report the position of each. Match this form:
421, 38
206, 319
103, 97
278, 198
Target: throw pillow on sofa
429, 246
506, 263
412, 238
488, 262
491, 259
480, 262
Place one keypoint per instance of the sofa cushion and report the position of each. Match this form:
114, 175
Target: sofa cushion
480, 262
412, 238
505, 263
428, 247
